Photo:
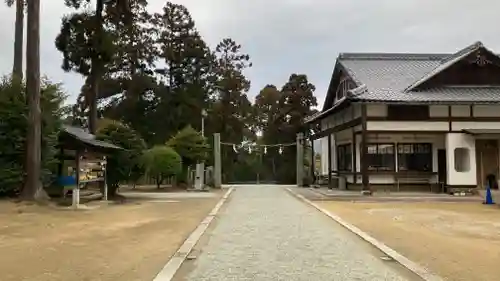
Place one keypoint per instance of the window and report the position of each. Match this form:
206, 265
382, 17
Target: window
380, 157
344, 157
462, 159
408, 112
415, 157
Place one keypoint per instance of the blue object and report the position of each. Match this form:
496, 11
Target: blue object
66, 181
489, 198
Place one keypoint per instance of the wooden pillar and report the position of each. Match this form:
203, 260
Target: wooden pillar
300, 159
330, 161
76, 189
60, 164
354, 162
104, 175
313, 162
366, 190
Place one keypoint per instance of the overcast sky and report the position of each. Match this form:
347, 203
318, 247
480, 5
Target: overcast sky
299, 36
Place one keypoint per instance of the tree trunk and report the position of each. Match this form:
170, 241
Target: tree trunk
17, 69
158, 179
96, 69
92, 102
33, 189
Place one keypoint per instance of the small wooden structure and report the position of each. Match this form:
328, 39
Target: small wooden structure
76, 144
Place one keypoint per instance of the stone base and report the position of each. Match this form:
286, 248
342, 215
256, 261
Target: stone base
366, 192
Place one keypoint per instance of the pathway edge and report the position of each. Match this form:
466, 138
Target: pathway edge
417, 269
168, 272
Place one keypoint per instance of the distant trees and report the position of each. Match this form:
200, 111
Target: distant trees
148, 78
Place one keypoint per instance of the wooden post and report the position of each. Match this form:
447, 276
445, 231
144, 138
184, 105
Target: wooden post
105, 165
76, 189
313, 162
217, 162
329, 161
366, 190
300, 159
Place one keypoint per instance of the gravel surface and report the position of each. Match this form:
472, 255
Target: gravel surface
264, 233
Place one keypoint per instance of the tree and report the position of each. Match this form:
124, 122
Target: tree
13, 130
184, 79
267, 110
17, 69
122, 164
231, 114
87, 47
33, 189
191, 146
162, 162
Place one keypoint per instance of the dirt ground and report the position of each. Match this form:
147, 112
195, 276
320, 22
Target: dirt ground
130, 241
458, 241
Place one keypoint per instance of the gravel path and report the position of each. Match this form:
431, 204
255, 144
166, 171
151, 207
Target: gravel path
264, 233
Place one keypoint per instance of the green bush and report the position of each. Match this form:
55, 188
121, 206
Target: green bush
123, 165
13, 130
162, 162
191, 146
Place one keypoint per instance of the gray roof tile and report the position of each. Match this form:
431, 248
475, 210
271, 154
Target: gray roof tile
388, 76
87, 138
483, 95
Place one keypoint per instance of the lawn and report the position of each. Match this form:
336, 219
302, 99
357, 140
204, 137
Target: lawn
458, 241
129, 241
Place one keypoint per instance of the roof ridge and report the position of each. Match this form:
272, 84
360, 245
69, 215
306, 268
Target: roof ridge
394, 56
445, 64
466, 50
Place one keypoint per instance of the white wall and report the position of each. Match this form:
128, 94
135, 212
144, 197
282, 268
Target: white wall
376, 110
458, 126
486, 110
438, 111
458, 140
460, 111
406, 126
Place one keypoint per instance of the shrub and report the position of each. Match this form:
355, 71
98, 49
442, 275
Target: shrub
13, 130
162, 162
123, 165
191, 146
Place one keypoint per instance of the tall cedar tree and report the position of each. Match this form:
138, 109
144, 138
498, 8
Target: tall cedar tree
17, 68
129, 78
231, 109
33, 189
87, 47
186, 61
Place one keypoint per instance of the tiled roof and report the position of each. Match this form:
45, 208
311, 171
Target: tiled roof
87, 138
393, 77
466, 95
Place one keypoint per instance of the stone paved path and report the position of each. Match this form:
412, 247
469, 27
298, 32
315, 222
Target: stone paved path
266, 234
